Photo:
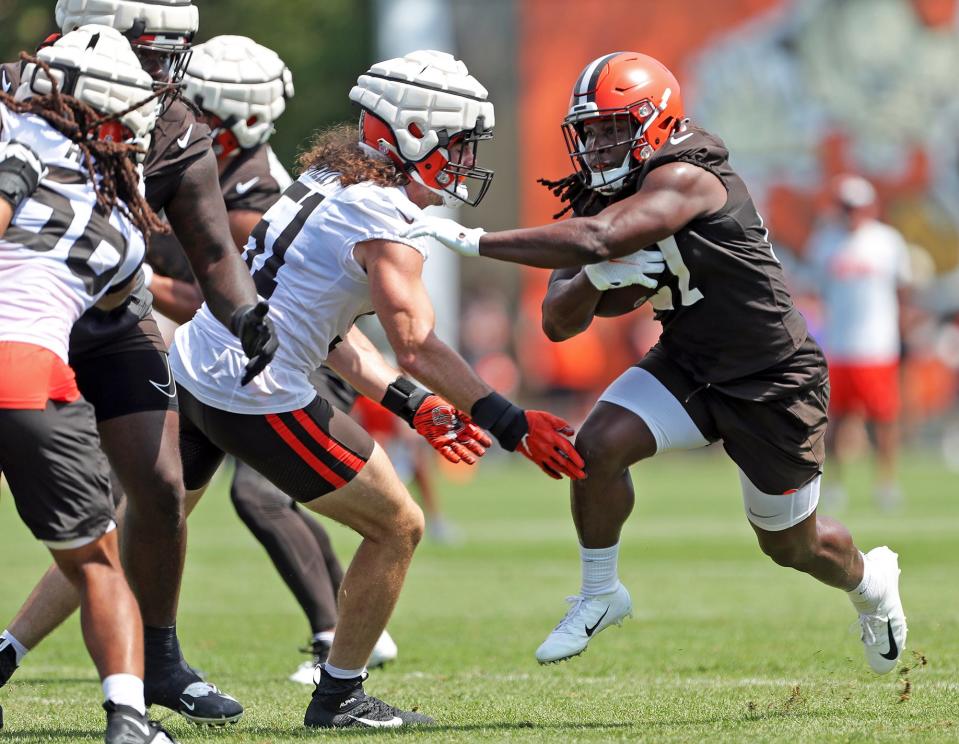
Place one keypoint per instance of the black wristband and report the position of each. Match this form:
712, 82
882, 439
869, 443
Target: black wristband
404, 397
504, 420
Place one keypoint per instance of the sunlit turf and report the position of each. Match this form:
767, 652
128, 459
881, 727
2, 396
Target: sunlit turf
725, 646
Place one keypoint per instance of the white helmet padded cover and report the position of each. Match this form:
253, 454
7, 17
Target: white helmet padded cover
235, 78
159, 16
431, 90
104, 73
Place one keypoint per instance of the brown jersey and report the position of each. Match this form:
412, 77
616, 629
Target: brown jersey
253, 180
727, 317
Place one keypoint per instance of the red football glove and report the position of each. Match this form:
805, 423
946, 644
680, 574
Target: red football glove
546, 444
449, 432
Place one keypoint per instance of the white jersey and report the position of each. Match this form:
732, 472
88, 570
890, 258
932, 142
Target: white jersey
858, 274
301, 258
58, 256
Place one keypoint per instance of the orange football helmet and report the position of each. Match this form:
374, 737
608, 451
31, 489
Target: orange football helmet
642, 101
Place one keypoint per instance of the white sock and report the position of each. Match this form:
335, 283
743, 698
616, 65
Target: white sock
338, 673
125, 689
600, 574
7, 639
866, 597
324, 636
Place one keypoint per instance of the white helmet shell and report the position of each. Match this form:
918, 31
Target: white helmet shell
430, 90
96, 65
242, 82
157, 16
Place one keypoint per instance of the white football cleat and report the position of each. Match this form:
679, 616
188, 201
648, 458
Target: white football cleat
304, 673
884, 631
586, 617
385, 650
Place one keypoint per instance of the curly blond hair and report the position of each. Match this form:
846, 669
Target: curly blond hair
338, 149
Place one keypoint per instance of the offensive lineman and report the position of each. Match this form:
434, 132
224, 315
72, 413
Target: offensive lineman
734, 361
72, 228
329, 251
122, 370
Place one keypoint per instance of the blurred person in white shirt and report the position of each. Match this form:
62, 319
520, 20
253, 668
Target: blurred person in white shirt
862, 269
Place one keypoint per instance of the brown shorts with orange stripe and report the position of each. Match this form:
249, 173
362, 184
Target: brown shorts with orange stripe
305, 453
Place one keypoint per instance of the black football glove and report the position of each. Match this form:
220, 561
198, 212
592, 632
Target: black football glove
257, 336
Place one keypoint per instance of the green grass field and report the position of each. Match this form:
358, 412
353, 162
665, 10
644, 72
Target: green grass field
724, 647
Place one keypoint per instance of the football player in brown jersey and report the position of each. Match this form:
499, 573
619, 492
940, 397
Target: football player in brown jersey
734, 362
121, 366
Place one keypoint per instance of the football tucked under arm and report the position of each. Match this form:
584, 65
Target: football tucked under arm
615, 302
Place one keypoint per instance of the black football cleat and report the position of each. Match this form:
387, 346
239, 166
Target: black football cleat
197, 701
127, 726
342, 703
8, 662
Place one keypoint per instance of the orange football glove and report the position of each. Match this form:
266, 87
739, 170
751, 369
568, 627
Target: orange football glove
547, 445
444, 427
537, 435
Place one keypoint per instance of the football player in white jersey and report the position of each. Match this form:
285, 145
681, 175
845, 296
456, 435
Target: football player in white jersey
329, 251
72, 224
241, 89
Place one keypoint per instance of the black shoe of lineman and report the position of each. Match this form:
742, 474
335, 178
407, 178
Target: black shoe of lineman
342, 703
8, 663
126, 726
181, 689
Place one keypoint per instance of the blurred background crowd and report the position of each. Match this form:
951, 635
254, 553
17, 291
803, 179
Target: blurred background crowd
841, 115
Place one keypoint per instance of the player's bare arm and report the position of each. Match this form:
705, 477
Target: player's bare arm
175, 298
179, 300
671, 197
242, 222
569, 305
117, 295
406, 313
198, 216
199, 219
361, 364
6, 214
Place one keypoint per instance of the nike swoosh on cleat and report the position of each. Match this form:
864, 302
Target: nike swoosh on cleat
142, 726
893, 651
392, 723
185, 139
188, 706
590, 631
